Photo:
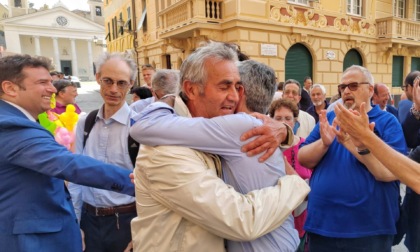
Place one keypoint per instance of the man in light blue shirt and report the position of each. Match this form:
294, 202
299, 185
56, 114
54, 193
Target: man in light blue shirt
105, 216
164, 81
221, 135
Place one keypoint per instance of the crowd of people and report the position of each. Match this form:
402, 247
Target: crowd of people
221, 157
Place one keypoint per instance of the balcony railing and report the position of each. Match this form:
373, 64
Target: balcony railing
189, 11
398, 28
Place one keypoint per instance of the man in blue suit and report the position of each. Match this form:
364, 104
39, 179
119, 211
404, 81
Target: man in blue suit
36, 212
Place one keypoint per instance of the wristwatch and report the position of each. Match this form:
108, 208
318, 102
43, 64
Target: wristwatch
363, 151
415, 112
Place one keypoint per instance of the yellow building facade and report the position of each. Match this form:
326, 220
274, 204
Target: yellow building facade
297, 38
119, 25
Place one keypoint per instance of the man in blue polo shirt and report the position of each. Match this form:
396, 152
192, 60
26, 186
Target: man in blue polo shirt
353, 205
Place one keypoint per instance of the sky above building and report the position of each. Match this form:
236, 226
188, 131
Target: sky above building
70, 4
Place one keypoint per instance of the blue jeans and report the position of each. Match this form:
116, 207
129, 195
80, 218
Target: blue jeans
318, 243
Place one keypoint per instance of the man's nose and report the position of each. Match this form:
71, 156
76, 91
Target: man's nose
51, 88
114, 87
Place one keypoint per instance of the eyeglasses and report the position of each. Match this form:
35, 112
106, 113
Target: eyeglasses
121, 84
352, 86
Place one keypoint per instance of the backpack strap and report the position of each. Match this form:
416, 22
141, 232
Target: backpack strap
89, 122
133, 149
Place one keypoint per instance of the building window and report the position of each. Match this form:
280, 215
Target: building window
417, 10
397, 71
18, 3
121, 27
399, 8
354, 7
98, 11
114, 28
109, 32
305, 2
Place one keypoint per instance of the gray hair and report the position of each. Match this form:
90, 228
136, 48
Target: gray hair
166, 80
292, 81
192, 69
368, 76
323, 90
125, 57
259, 82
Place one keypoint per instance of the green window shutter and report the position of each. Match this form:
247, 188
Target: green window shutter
298, 63
397, 70
415, 64
352, 58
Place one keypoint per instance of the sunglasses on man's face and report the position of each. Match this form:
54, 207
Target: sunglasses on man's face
353, 86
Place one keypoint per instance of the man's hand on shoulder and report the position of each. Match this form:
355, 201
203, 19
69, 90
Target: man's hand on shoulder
270, 135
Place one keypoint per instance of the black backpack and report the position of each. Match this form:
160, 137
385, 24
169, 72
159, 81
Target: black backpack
133, 146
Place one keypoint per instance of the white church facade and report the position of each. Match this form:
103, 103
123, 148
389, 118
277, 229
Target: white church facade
71, 41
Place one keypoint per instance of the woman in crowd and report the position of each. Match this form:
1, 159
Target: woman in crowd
288, 112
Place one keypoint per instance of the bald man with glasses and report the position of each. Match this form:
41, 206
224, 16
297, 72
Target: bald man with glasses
353, 204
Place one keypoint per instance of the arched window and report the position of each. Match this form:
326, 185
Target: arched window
352, 58
298, 63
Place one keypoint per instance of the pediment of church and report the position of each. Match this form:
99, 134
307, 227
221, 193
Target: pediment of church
55, 18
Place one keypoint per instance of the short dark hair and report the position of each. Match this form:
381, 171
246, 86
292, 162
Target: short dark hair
280, 86
11, 67
241, 56
60, 85
142, 92
307, 78
53, 73
409, 79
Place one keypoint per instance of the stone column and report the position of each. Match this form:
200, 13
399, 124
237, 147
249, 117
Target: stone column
74, 64
56, 54
90, 59
37, 46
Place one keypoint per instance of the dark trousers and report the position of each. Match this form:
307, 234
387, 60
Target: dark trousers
102, 233
318, 243
412, 208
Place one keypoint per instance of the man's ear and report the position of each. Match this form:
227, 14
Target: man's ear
191, 89
98, 77
241, 91
9, 88
59, 94
371, 91
299, 98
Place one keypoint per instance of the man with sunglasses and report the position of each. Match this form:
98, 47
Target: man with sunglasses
105, 216
353, 204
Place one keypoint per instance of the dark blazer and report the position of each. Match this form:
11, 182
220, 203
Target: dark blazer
305, 100
410, 125
392, 110
36, 211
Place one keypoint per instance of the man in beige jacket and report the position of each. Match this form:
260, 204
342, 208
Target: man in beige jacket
182, 204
